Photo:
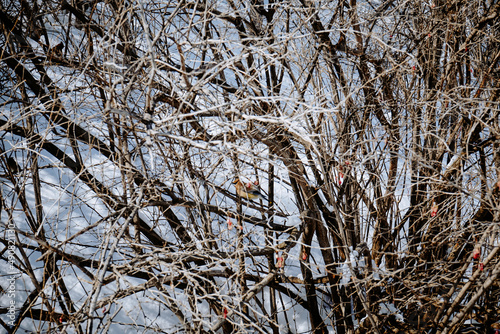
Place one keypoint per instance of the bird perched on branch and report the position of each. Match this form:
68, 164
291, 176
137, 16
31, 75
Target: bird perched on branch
249, 190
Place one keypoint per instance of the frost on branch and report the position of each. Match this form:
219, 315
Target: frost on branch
365, 136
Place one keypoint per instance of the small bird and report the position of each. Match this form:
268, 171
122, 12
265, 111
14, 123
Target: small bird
248, 190
12, 165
